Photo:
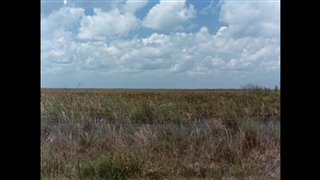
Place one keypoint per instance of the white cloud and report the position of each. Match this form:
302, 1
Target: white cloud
104, 25
245, 49
169, 15
131, 6
57, 53
156, 39
65, 19
259, 19
178, 52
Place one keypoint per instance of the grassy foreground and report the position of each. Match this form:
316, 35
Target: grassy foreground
160, 134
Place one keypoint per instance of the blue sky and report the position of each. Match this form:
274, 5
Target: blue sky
160, 44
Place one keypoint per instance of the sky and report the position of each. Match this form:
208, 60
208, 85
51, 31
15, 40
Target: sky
160, 43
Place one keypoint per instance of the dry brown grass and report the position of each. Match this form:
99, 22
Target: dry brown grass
118, 134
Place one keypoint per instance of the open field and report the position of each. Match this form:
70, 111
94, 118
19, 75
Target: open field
160, 134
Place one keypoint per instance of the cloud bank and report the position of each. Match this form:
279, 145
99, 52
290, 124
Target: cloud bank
110, 48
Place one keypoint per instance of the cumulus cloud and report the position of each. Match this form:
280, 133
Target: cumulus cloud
79, 46
178, 52
170, 15
252, 18
125, 6
58, 32
103, 25
65, 19
131, 6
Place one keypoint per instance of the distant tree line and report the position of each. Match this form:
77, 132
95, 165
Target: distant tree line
256, 87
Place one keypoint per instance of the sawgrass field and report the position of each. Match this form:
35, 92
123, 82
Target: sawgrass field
160, 134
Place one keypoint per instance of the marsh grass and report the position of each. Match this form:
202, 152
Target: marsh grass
130, 134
